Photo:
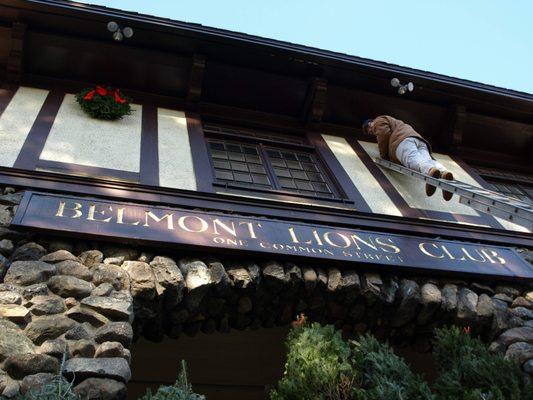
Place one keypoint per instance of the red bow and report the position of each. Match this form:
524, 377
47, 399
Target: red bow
102, 91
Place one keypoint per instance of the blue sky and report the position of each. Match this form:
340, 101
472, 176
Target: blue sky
485, 41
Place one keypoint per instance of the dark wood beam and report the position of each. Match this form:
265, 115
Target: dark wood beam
14, 61
315, 101
451, 136
196, 79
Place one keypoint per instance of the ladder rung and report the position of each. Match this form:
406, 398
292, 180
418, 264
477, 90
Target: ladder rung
496, 212
480, 199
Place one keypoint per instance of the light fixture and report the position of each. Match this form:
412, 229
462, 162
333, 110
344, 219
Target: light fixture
402, 89
118, 32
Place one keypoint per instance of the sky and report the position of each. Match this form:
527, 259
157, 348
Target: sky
488, 41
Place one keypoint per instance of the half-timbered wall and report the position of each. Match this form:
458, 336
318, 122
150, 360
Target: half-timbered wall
47, 131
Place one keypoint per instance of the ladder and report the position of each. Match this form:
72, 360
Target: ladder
480, 199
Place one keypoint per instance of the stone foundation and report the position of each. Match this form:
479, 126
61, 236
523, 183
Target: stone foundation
87, 301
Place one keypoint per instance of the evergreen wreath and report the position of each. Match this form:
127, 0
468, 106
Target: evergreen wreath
104, 102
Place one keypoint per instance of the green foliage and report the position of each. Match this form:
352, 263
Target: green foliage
104, 103
181, 390
57, 389
385, 375
318, 366
469, 372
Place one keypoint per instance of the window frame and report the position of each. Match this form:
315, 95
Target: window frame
276, 192
494, 177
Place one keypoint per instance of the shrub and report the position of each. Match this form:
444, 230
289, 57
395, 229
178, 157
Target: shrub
318, 366
467, 371
181, 390
385, 376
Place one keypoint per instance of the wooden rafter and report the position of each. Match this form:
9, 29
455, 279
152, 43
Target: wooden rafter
196, 79
315, 101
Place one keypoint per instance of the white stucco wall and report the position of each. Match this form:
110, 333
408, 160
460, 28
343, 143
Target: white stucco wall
368, 186
175, 159
413, 190
17, 120
77, 138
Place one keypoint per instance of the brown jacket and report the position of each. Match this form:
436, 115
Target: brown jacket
390, 132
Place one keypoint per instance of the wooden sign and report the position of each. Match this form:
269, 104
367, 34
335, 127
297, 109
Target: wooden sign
165, 226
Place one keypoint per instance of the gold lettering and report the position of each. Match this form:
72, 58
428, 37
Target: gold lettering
120, 218
357, 239
342, 236
394, 249
318, 240
492, 253
182, 224
293, 235
445, 250
251, 230
149, 214
467, 254
422, 247
230, 230
92, 211
76, 209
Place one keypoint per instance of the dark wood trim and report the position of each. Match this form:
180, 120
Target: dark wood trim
14, 67
6, 95
58, 183
36, 139
383, 181
149, 161
315, 101
89, 171
200, 157
336, 172
196, 79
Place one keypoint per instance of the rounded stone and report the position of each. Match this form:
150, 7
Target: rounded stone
9, 297
49, 327
34, 381
111, 349
82, 348
20, 365
101, 389
112, 274
77, 332
26, 273
74, 268
55, 348
115, 332
47, 305
115, 368
58, 256
70, 286
13, 341
28, 252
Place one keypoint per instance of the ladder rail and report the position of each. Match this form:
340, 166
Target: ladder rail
480, 199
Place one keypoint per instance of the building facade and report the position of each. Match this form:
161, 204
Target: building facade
239, 193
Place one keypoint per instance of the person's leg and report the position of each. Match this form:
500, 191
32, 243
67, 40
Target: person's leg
428, 164
411, 154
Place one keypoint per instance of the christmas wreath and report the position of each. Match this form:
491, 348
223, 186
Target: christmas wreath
104, 102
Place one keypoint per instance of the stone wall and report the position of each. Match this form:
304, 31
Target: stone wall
87, 301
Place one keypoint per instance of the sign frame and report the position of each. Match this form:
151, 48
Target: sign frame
264, 237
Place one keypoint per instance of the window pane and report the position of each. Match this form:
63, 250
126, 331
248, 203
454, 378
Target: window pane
221, 164
224, 175
238, 163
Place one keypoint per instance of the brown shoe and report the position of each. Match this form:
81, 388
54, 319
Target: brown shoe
449, 177
430, 189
